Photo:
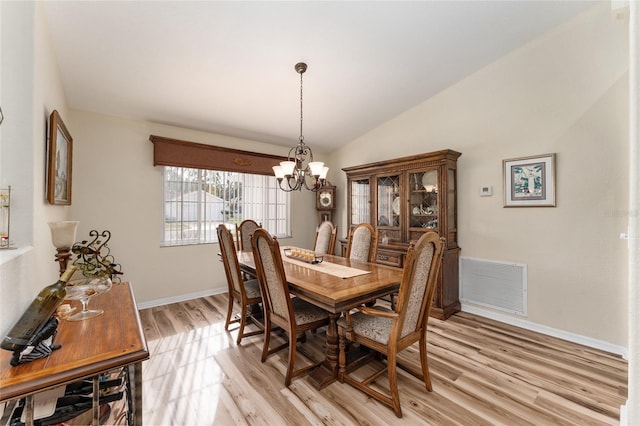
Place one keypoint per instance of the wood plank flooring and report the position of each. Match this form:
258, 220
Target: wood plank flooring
483, 372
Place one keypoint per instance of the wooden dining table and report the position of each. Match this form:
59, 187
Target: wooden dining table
333, 294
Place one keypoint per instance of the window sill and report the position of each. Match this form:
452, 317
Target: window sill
7, 255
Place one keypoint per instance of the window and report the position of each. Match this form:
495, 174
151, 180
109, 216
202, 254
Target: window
196, 201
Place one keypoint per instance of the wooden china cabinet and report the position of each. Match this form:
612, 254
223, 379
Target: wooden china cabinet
403, 198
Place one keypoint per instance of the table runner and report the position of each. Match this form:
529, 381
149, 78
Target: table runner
334, 269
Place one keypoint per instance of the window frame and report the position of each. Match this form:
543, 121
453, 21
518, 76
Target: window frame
191, 155
267, 204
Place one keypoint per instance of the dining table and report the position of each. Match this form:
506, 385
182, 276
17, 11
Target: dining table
336, 284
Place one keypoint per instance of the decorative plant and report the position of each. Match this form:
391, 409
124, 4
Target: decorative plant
94, 259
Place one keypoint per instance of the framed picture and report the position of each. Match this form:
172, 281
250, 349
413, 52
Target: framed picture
530, 181
59, 161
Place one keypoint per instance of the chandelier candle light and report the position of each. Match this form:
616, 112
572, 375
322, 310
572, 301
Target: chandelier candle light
300, 169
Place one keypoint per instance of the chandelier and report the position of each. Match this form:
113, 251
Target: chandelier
300, 170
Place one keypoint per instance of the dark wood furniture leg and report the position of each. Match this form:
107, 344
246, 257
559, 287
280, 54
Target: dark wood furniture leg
327, 372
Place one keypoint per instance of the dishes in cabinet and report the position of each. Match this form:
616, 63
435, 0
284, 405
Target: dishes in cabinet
395, 206
430, 181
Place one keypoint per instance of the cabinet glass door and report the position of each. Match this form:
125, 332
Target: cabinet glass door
388, 212
423, 214
360, 201
452, 232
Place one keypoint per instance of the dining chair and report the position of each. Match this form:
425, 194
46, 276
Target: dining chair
326, 235
362, 243
294, 315
244, 292
243, 238
388, 332
243, 233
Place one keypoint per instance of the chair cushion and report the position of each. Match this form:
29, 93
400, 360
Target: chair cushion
252, 288
305, 312
374, 328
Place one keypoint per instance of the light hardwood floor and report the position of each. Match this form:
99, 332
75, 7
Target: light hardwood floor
483, 372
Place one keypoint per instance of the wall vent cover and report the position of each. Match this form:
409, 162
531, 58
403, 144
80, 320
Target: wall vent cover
494, 284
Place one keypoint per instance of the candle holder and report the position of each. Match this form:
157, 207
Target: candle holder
63, 235
94, 258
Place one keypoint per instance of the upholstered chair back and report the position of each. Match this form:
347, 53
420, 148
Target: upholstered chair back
268, 260
326, 235
417, 300
229, 258
245, 230
363, 243
418, 290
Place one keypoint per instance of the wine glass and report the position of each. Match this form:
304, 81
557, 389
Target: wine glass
83, 290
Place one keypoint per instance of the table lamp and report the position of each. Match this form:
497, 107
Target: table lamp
63, 235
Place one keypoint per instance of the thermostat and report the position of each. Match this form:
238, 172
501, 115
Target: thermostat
486, 191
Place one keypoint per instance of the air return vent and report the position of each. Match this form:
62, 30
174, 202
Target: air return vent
497, 285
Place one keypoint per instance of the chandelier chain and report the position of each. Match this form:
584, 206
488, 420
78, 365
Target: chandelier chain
301, 135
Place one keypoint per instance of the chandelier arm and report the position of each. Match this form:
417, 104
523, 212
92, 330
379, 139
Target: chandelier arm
293, 154
288, 187
317, 182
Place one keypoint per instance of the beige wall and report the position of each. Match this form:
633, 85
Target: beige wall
31, 89
117, 188
115, 185
565, 93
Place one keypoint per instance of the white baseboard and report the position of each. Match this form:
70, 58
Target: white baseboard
623, 415
181, 298
550, 331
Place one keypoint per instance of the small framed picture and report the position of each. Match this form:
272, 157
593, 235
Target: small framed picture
530, 181
59, 161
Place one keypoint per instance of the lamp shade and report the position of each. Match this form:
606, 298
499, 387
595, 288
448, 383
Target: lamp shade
63, 234
323, 173
278, 172
288, 167
316, 167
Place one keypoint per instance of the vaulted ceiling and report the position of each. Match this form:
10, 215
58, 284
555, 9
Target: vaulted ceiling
228, 67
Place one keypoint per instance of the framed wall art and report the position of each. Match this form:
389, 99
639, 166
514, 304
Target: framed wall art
530, 181
59, 161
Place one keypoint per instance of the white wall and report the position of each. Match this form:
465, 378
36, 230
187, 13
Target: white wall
116, 187
31, 89
565, 92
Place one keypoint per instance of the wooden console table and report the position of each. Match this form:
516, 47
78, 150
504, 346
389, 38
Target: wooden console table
113, 340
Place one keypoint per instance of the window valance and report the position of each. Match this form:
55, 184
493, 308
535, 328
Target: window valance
179, 153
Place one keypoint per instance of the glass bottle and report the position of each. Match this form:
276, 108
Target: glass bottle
37, 314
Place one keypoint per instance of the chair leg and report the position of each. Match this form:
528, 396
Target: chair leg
424, 362
292, 358
393, 384
243, 321
267, 338
229, 312
342, 358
